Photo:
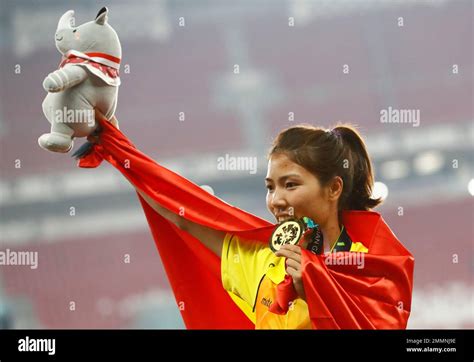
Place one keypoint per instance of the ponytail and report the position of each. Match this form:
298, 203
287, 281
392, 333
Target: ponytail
358, 196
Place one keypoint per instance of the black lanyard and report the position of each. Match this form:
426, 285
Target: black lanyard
316, 241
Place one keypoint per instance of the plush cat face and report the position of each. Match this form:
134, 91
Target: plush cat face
94, 36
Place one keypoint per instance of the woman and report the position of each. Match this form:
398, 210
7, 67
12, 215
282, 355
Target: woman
325, 176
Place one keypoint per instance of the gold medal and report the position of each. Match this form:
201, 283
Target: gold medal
288, 232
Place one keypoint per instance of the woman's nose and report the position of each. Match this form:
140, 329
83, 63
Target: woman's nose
278, 200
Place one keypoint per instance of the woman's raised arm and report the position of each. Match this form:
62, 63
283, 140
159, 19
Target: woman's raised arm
211, 238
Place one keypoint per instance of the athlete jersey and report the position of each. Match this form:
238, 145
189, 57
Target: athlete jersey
251, 273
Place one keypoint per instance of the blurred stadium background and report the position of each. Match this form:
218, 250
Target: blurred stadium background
285, 71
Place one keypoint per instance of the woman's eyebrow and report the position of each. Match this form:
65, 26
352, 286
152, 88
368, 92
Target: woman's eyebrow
283, 178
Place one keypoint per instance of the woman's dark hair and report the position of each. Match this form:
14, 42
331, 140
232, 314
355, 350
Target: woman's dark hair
339, 152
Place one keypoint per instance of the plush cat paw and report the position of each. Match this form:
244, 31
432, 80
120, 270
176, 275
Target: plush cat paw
52, 83
56, 142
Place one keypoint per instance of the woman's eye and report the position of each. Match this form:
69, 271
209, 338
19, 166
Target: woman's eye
269, 188
290, 184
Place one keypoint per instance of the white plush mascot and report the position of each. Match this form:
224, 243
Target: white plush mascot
87, 78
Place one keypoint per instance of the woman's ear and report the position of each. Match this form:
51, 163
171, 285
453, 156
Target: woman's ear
335, 188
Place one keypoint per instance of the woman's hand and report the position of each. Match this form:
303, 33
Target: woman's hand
292, 253
99, 116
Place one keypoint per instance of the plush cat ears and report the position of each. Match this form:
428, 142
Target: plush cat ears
101, 17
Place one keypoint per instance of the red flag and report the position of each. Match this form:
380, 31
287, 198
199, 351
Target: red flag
377, 296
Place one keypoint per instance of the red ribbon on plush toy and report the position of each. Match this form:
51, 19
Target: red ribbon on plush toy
106, 63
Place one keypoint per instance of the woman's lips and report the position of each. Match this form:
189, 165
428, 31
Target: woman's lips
281, 218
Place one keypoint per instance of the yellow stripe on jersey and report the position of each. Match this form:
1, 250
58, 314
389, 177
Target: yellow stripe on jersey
358, 248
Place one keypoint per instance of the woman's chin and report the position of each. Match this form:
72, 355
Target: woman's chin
285, 218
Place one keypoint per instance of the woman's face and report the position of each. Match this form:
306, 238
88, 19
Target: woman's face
293, 191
